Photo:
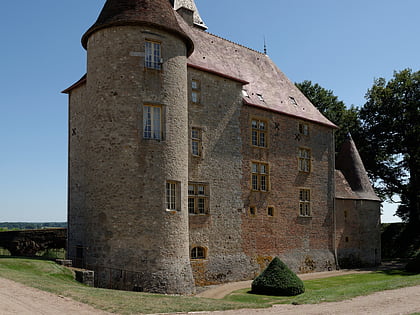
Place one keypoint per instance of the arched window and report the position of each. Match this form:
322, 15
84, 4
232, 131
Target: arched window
198, 253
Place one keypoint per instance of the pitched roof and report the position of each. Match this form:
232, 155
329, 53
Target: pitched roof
190, 4
156, 13
267, 86
351, 166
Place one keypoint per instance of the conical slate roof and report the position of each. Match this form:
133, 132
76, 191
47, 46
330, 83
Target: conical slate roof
154, 13
351, 165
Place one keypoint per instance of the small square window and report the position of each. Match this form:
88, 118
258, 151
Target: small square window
252, 211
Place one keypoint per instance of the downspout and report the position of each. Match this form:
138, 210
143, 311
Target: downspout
334, 207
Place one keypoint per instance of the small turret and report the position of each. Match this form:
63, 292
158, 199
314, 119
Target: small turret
350, 164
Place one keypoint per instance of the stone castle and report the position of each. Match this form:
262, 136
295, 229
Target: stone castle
194, 160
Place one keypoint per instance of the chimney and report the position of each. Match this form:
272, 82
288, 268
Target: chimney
187, 15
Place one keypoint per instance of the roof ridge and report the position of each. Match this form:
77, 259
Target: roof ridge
232, 42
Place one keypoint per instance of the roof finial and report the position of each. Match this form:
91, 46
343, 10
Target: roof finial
265, 47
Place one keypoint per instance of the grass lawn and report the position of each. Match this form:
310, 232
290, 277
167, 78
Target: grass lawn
336, 288
48, 276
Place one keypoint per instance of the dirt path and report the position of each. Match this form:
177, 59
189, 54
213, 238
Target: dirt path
393, 302
16, 298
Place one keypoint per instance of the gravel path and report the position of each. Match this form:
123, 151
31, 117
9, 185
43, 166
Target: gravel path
16, 298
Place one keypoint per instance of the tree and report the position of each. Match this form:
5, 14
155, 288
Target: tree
391, 148
347, 119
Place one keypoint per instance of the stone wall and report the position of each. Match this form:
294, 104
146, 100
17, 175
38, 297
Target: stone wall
220, 166
358, 233
118, 225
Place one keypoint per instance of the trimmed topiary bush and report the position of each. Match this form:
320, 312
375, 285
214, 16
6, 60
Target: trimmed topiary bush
278, 279
414, 264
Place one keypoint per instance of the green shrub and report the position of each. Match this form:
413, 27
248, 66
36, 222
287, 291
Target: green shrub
277, 279
414, 264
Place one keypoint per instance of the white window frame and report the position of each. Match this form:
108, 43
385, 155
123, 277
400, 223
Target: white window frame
196, 141
305, 202
259, 133
198, 198
304, 160
260, 177
152, 122
153, 55
172, 196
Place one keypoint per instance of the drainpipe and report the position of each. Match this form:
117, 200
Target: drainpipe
334, 208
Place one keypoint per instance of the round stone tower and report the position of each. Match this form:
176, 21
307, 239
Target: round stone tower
128, 197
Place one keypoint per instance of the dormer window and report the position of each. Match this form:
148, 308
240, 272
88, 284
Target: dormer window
153, 59
292, 100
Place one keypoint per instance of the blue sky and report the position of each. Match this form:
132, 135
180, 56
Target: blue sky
342, 45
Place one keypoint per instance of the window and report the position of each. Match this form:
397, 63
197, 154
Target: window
260, 97
259, 133
305, 202
259, 179
198, 253
252, 211
152, 124
270, 211
172, 195
153, 58
198, 198
195, 91
304, 160
196, 143
303, 129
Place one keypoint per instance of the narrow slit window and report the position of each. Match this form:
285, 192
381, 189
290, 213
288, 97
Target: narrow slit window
195, 92
172, 196
196, 141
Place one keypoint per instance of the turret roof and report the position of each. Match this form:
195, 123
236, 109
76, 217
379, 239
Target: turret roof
156, 13
351, 166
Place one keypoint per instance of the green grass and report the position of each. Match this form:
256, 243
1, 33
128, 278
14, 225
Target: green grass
335, 288
48, 276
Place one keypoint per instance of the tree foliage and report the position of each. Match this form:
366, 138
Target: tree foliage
391, 134
347, 119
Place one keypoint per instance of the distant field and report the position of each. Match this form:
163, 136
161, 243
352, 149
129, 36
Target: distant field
7, 226
48, 276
